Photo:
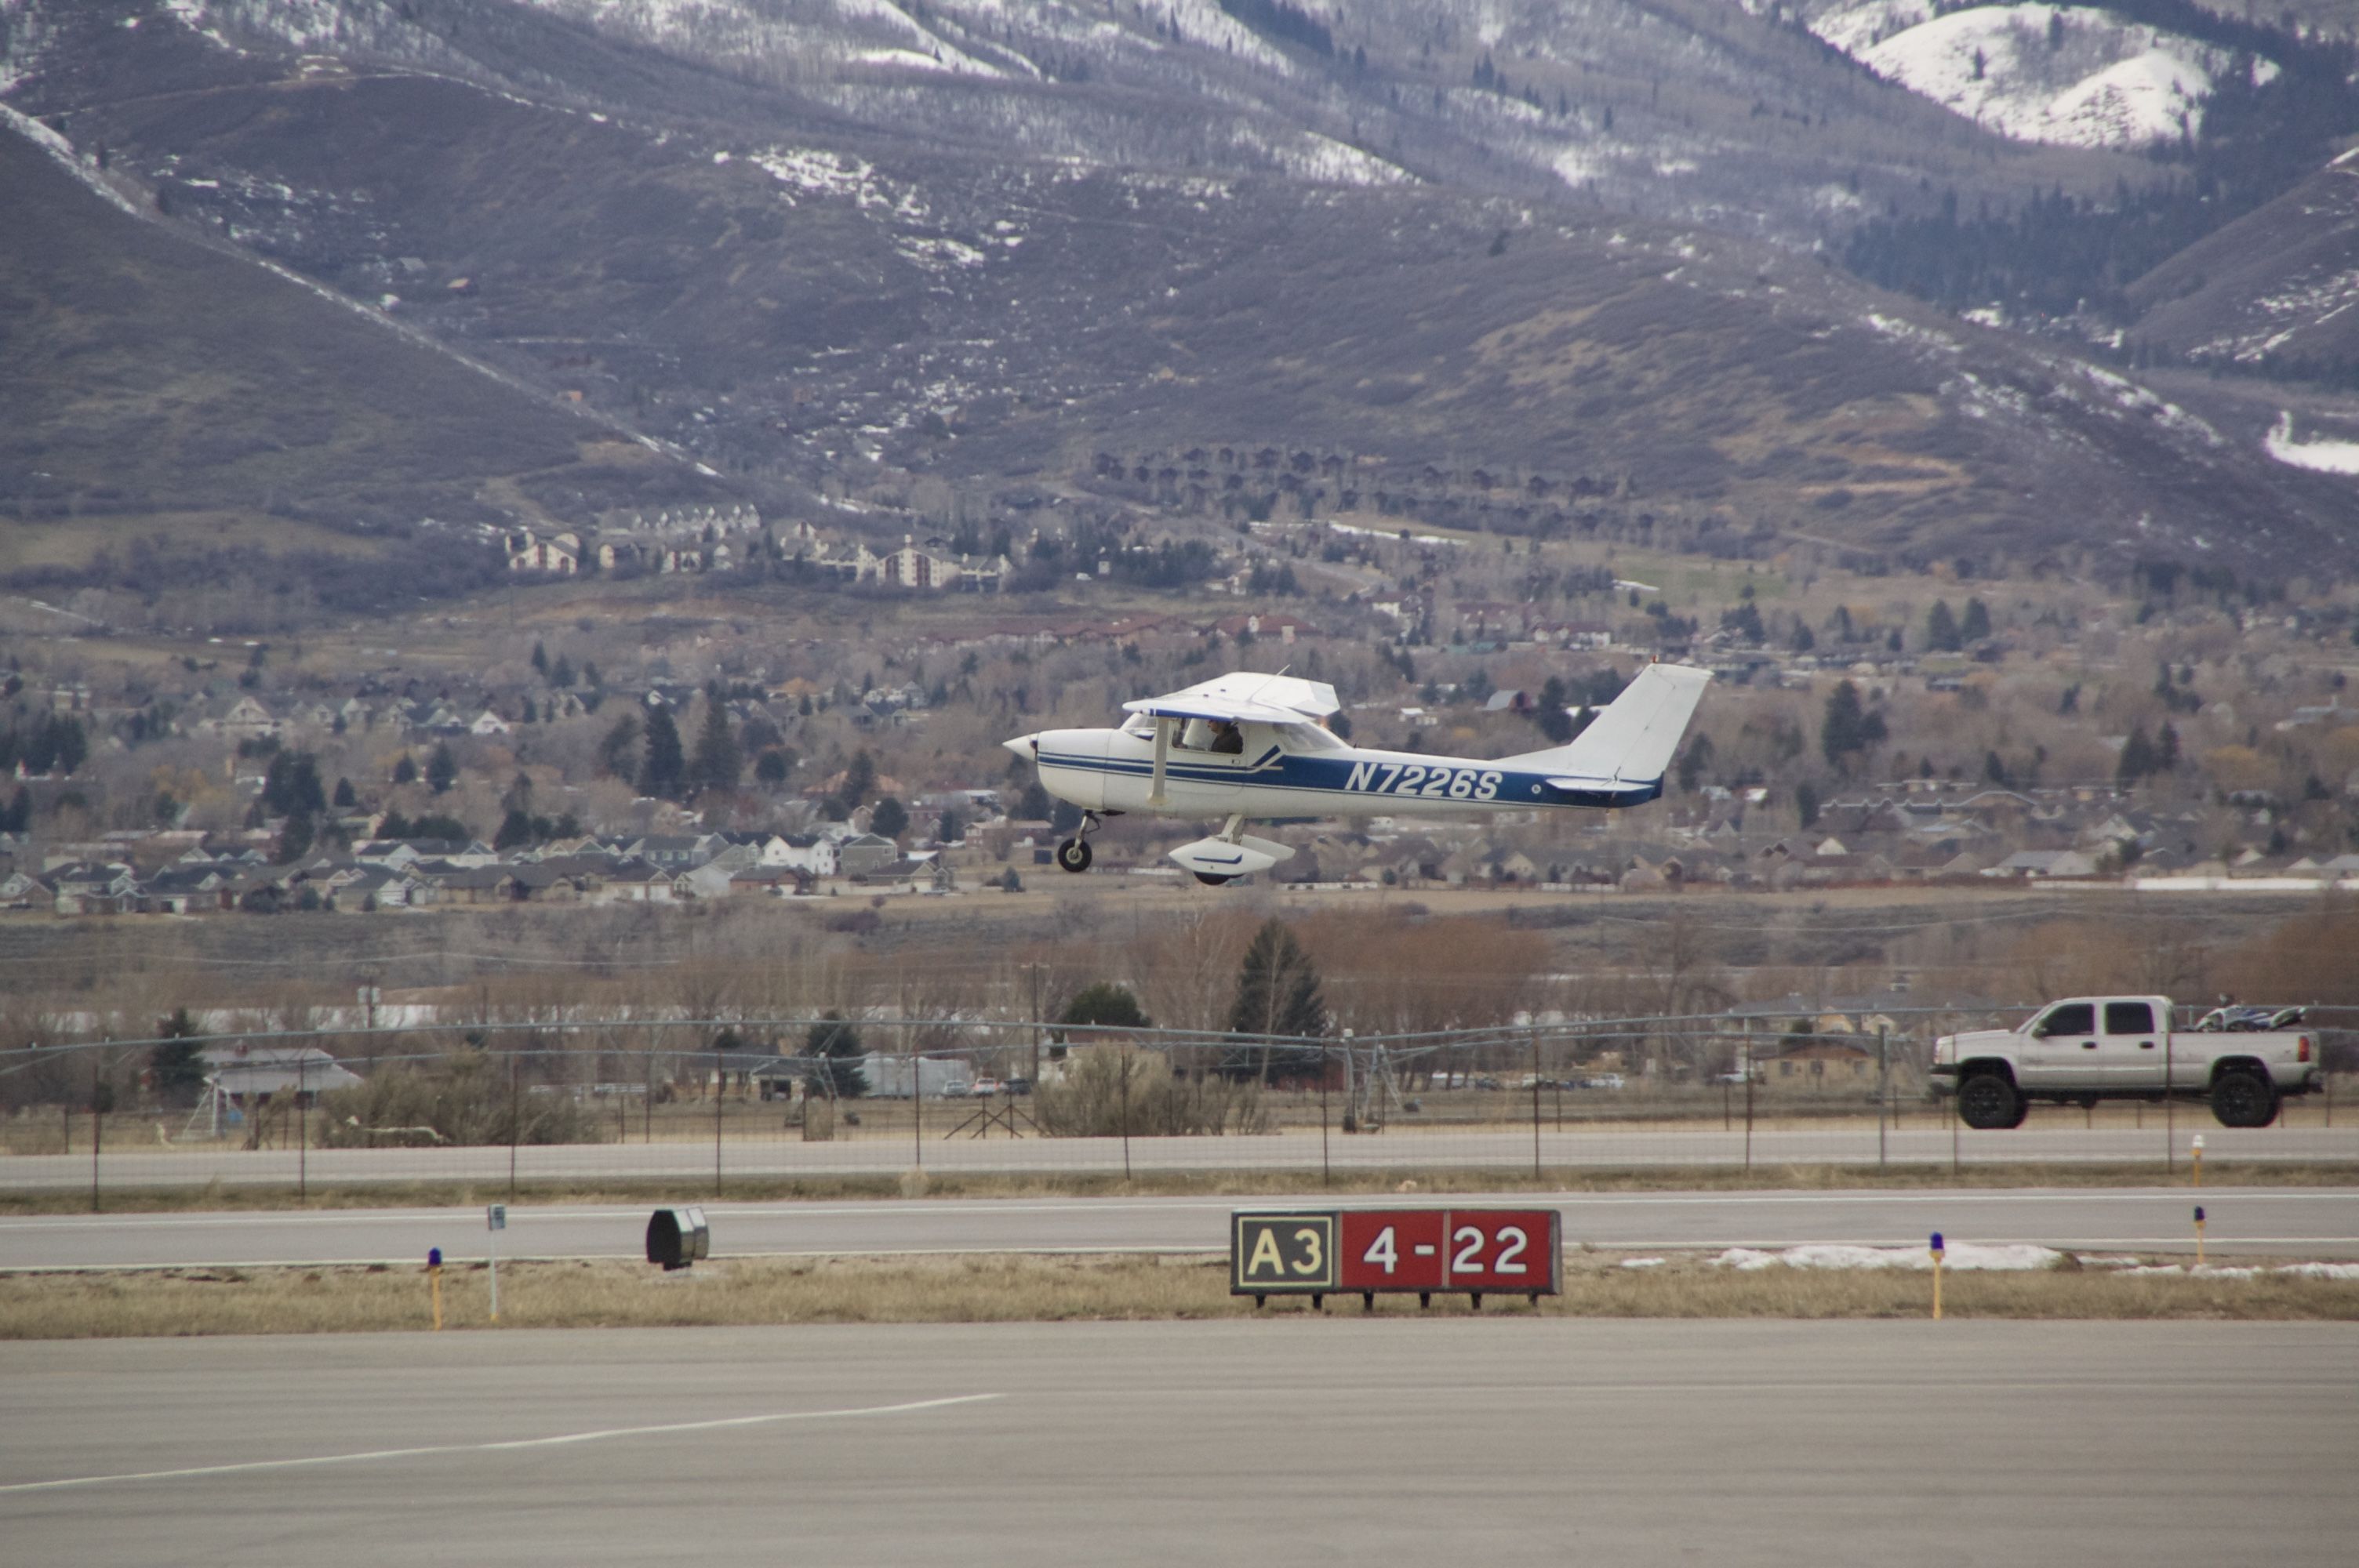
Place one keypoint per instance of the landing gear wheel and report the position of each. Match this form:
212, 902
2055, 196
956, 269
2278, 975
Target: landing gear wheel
1073, 855
1209, 881
2243, 1099
1988, 1100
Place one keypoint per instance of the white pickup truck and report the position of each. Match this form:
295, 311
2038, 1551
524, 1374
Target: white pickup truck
2084, 1049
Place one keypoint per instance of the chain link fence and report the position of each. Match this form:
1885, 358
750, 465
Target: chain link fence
704, 1101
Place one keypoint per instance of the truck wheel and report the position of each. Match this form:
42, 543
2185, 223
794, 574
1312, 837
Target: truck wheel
1988, 1100
2243, 1099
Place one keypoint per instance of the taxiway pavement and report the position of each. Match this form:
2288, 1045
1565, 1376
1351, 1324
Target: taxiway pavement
2308, 1222
1287, 1439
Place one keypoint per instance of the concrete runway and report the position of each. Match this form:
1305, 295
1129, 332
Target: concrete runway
2049, 1137
1293, 1438
2310, 1222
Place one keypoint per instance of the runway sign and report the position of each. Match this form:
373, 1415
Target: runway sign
1274, 1253
1320, 1253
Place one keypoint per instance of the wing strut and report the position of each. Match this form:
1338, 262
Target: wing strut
1162, 754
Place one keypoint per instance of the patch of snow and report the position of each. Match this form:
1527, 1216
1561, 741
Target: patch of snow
2319, 457
1331, 162
1577, 167
815, 172
939, 254
2103, 80
1642, 1262
1970, 1255
1909, 332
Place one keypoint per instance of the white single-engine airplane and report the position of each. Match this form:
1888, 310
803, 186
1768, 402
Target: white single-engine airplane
1254, 746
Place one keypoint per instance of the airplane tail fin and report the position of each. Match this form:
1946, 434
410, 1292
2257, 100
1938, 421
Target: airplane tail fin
1633, 740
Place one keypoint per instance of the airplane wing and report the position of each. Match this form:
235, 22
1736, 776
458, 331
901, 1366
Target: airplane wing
1245, 697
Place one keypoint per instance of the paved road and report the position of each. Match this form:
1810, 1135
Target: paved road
2309, 1221
132, 1164
1293, 1439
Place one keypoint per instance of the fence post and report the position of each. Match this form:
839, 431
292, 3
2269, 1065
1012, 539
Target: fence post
720, 1075
1883, 1090
96, 1137
1535, 1102
515, 1124
918, 1103
303, 1129
1748, 1108
1326, 1170
2170, 1109
1125, 1051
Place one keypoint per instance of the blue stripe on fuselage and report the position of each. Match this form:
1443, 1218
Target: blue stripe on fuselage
1364, 779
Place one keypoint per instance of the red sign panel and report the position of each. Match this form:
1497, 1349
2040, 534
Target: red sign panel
1502, 1249
1394, 1250
1449, 1250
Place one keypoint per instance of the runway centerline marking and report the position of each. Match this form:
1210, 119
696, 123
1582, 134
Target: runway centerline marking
558, 1441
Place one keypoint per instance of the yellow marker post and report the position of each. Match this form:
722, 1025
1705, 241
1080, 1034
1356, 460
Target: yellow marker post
2199, 1235
2196, 1160
434, 1280
1937, 1250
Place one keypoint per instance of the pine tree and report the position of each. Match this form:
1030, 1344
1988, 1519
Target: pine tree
441, 770
1977, 623
614, 751
890, 819
1278, 994
294, 839
1941, 633
834, 1044
859, 779
539, 658
718, 760
665, 770
2138, 758
1849, 728
178, 1066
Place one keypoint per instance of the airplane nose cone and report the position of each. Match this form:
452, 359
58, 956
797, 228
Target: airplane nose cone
1023, 745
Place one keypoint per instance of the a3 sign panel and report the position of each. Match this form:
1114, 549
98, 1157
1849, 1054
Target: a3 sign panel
1332, 1251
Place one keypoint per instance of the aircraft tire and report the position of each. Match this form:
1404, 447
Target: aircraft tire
1073, 855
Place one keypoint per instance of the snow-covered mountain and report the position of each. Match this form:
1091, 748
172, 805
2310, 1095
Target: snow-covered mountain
811, 243
2064, 75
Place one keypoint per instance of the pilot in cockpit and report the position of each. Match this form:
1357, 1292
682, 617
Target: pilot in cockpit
1227, 738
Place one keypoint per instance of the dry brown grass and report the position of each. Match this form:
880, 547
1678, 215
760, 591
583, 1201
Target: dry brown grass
217, 1196
614, 1293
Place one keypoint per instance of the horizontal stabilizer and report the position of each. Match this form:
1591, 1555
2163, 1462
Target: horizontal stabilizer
1630, 742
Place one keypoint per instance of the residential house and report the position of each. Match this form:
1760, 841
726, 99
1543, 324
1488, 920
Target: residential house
87, 888
866, 855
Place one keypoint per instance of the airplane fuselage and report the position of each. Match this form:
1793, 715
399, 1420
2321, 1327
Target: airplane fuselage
1294, 771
